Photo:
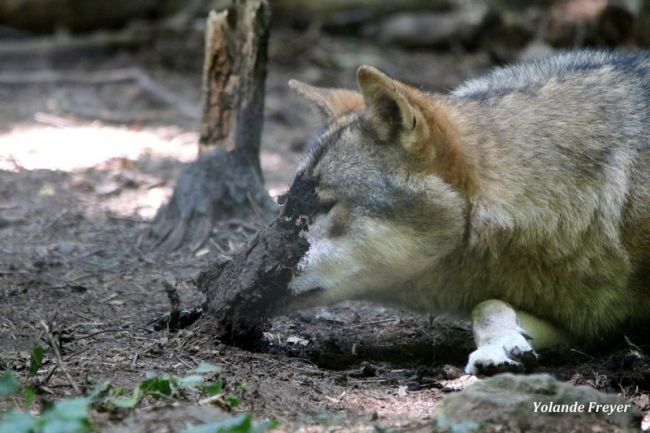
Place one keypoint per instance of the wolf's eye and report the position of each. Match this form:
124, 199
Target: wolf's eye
326, 205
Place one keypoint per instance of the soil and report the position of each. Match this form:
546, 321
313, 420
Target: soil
83, 168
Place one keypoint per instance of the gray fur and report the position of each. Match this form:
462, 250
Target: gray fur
549, 211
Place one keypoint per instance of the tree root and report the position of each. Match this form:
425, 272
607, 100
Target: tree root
215, 187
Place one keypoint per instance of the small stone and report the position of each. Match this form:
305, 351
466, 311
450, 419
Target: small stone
536, 403
65, 248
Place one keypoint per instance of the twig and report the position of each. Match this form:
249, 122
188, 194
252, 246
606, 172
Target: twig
375, 322
87, 254
49, 375
57, 355
582, 353
185, 363
175, 306
126, 218
103, 331
49, 224
632, 345
116, 117
245, 225
53, 120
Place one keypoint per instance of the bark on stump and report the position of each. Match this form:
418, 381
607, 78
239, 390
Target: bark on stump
226, 181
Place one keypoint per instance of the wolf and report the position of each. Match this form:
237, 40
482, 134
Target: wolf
521, 198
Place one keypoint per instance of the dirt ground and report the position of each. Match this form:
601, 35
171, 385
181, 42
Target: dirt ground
83, 168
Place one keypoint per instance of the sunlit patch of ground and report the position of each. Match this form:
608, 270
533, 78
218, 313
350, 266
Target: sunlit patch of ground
76, 148
81, 148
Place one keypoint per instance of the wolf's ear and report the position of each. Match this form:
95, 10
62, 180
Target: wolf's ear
334, 103
392, 113
424, 125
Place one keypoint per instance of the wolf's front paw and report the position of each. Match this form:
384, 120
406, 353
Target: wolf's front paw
510, 352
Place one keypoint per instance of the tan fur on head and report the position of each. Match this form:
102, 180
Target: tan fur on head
334, 103
383, 97
421, 123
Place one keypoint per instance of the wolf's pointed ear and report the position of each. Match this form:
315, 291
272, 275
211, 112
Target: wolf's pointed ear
391, 112
425, 126
334, 103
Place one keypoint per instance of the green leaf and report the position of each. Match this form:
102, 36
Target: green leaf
36, 360
8, 384
16, 421
125, 402
264, 426
213, 388
128, 402
66, 416
238, 424
232, 401
206, 368
191, 381
65, 426
155, 385
100, 391
73, 409
30, 396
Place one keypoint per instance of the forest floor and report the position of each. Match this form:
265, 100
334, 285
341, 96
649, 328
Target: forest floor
76, 198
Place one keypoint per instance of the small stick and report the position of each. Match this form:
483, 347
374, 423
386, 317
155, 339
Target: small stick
582, 353
185, 363
375, 322
57, 355
175, 306
49, 224
103, 331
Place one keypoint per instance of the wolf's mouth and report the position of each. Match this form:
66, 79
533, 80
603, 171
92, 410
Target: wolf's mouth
305, 299
312, 290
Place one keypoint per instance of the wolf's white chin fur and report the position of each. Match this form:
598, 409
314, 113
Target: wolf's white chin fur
327, 264
377, 256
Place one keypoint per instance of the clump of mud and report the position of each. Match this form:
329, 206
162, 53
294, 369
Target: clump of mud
244, 290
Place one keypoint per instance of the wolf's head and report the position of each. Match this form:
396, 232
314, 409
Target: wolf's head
389, 181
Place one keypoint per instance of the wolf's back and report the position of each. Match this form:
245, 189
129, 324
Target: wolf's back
530, 76
564, 146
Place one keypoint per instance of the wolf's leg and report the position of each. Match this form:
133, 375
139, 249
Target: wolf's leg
506, 339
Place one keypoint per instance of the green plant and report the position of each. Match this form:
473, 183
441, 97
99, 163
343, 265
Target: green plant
239, 424
36, 360
163, 387
9, 385
72, 415
65, 416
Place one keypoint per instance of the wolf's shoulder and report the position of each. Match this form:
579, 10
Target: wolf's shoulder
529, 76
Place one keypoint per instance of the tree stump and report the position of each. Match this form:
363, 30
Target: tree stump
226, 181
